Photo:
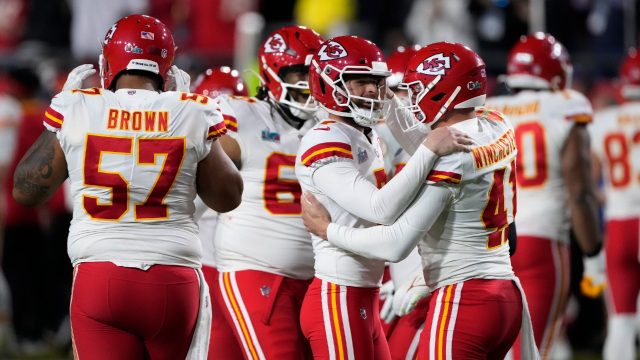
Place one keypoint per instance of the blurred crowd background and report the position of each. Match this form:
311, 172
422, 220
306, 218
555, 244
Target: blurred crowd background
42, 40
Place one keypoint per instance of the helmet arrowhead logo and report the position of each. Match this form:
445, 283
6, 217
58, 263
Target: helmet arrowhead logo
274, 44
332, 51
434, 65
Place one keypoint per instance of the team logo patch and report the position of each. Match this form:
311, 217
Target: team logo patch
268, 135
147, 35
275, 44
332, 50
362, 156
363, 313
163, 53
265, 290
434, 65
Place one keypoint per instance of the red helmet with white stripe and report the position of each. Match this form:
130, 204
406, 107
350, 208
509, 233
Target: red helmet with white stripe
136, 42
441, 77
219, 81
347, 55
539, 61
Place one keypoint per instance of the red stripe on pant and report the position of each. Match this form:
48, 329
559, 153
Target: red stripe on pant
474, 319
222, 343
263, 311
343, 322
126, 313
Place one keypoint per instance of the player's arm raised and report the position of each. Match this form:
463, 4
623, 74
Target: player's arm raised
40, 171
577, 172
218, 181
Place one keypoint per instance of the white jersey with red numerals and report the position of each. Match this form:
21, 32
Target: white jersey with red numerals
542, 122
469, 238
132, 157
329, 142
615, 139
265, 232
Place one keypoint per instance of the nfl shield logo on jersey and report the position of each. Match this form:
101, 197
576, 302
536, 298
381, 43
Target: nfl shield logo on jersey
362, 155
363, 313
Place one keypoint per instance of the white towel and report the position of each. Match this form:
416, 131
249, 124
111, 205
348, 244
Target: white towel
200, 341
528, 348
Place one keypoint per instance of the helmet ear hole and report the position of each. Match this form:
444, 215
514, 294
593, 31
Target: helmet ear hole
437, 97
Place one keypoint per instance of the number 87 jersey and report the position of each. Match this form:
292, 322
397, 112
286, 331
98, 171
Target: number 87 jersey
132, 158
615, 135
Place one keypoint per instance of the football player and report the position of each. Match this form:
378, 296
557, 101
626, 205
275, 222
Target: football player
555, 187
459, 220
136, 157
338, 162
616, 136
263, 252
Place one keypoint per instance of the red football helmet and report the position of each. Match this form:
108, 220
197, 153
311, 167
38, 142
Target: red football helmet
136, 42
630, 75
539, 61
347, 55
397, 63
441, 77
287, 47
219, 81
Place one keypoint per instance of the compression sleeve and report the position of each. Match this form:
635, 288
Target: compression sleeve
342, 182
394, 242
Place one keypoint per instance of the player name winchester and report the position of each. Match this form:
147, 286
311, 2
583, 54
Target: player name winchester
148, 120
498, 150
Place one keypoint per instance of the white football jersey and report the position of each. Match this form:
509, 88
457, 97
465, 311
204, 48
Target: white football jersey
615, 139
542, 122
132, 158
329, 142
469, 238
265, 232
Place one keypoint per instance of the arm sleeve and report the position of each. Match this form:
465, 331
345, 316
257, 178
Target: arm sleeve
394, 242
215, 127
342, 182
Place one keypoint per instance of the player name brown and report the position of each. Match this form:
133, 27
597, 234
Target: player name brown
149, 120
498, 150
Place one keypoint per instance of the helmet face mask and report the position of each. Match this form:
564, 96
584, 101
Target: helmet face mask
341, 62
136, 42
289, 49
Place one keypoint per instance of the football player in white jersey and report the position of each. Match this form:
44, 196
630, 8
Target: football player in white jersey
338, 162
135, 157
476, 308
555, 187
214, 83
616, 144
263, 252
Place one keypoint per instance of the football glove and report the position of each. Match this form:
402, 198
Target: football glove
386, 293
177, 80
409, 294
593, 280
77, 76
